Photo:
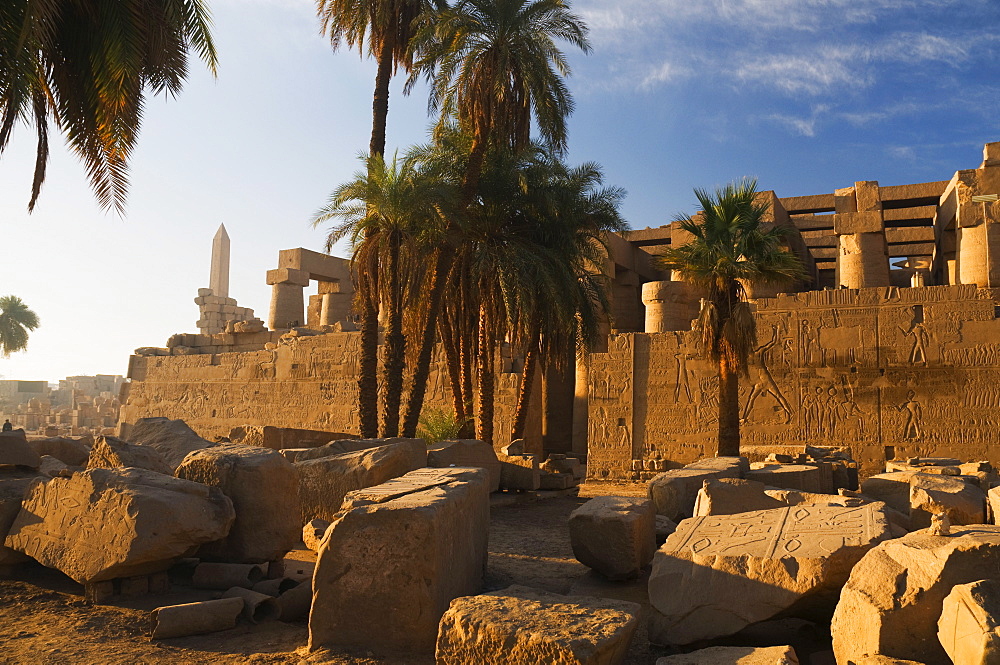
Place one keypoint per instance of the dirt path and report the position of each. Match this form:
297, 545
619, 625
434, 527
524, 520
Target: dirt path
43, 617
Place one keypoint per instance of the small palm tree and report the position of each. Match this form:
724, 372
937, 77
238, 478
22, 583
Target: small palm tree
86, 65
15, 322
731, 246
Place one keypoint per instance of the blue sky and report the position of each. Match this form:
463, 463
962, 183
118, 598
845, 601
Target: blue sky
806, 95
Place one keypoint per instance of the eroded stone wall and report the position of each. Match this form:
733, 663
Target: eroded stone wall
306, 382
890, 372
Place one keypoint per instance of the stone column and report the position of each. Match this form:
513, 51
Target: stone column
336, 305
287, 302
977, 220
668, 306
863, 259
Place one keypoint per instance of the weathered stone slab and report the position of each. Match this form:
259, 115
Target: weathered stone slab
325, 481
891, 604
716, 575
51, 467
892, 488
930, 495
264, 489
110, 452
817, 478
339, 447
15, 451
466, 452
13, 486
614, 535
172, 438
524, 626
969, 627
397, 555
782, 655
105, 523
729, 496
674, 492
72, 452
278, 438
519, 472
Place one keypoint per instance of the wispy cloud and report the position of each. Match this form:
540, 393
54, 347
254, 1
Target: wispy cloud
806, 126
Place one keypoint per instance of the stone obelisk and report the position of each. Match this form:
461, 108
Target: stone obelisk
219, 279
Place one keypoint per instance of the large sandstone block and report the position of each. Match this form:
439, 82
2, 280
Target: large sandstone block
278, 438
264, 489
782, 655
930, 495
172, 438
15, 451
466, 452
817, 478
105, 523
729, 496
674, 492
13, 486
716, 575
110, 453
614, 535
338, 447
325, 481
969, 627
72, 452
892, 488
891, 604
397, 555
519, 472
524, 626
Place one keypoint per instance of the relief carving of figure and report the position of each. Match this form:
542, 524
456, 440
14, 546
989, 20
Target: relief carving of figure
765, 383
918, 353
681, 382
810, 343
913, 425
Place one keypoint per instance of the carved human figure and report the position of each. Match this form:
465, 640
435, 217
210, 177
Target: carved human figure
681, 382
811, 412
810, 342
832, 412
913, 425
918, 353
765, 383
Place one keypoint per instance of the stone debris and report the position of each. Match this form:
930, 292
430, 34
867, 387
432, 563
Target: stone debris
466, 452
71, 452
816, 478
962, 502
278, 438
313, 532
13, 488
616, 536
338, 447
15, 451
664, 527
325, 481
520, 471
729, 496
171, 438
969, 627
110, 453
257, 606
780, 655
893, 488
716, 575
209, 616
395, 558
893, 600
52, 467
101, 524
524, 626
263, 487
674, 492
217, 575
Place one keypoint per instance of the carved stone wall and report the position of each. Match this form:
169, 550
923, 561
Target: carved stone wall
890, 372
306, 382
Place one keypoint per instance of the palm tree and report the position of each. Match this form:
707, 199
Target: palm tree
15, 322
731, 246
494, 67
86, 65
388, 26
387, 211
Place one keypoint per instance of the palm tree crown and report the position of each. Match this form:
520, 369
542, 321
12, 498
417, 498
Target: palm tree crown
15, 322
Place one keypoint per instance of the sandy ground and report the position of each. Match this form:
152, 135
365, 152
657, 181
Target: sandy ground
44, 619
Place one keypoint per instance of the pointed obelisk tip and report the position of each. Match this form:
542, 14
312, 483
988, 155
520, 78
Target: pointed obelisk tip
219, 278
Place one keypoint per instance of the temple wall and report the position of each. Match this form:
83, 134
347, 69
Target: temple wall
891, 373
306, 382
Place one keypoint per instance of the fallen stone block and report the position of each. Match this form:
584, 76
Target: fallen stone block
664, 527
294, 603
519, 472
209, 616
781, 655
15, 451
339, 447
969, 627
275, 587
466, 452
396, 556
729, 496
930, 495
716, 575
71, 452
110, 453
277, 438
524, 626
674, 492
313, 532
556, 481
325, 481
101, 524
891, 604
13, 488
560, 463
616, 536
817, 478
264, 489
257, 606
993, 502
51, 467
892, 488
171, 438
220, 575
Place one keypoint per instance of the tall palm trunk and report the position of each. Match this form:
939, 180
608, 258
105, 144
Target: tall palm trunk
448, 331
729, 409
487, 379
524, 391
395, 344
380, 102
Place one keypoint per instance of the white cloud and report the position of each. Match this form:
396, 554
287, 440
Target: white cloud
810, 73
803, 126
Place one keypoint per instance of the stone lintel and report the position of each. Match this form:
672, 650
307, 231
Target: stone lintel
288, 276
845, 223
867, 194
